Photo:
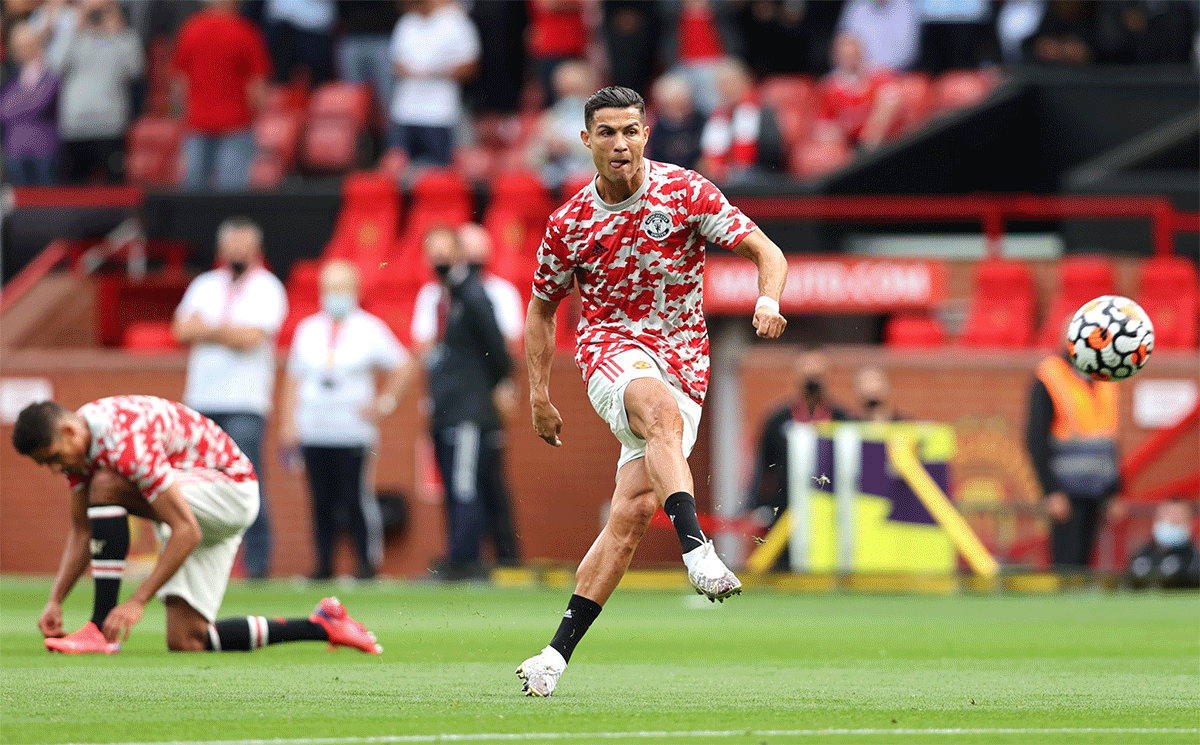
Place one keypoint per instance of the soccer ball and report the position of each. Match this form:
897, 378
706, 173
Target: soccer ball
1110, 338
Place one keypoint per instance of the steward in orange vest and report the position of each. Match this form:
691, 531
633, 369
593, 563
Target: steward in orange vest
1072, 441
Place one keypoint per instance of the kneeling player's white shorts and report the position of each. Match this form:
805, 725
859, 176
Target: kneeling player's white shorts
606, 389
224, 509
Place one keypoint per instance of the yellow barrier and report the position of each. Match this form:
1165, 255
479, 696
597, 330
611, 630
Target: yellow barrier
902, 454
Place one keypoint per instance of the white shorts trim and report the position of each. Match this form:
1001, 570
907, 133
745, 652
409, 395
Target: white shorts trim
224, 509
606, 390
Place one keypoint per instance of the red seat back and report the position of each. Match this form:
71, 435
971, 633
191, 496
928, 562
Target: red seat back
349, 102
152, 150
441, 190
913, 329
1002, 308
959, 89
1169, 292
814, 159
1080, 279
149, 337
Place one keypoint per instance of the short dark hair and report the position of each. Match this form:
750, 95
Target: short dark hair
36, 426
612, 97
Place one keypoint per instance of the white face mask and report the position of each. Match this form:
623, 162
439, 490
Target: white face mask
338, 304
1171, 535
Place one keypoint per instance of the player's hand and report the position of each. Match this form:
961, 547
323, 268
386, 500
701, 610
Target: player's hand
768, 323
121, 620
50, 622
1058, 507
547, 422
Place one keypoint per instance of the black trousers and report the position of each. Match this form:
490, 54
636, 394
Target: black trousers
471, 462
82, 158
342, 495
1072, 541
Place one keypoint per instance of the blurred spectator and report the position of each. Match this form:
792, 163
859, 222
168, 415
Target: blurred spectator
887, 29
556, 150
631, 34
768, 489
300, 37
556, 34
222, 63
27, 110
1016, 21
504, 296
741, 137
787, 36
699, 48
331, 410
1071, 437
1148, 31
364, 51
1170, 560
435, 47
863, 105
231, 316
875, 396
456, 334
1067, 34
956, 35
55, 22
500, 85
101, 58
676, 126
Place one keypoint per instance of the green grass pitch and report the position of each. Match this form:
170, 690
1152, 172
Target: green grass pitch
658, 667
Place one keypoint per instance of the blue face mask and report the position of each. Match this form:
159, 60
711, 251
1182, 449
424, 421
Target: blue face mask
1171, 535
338, 304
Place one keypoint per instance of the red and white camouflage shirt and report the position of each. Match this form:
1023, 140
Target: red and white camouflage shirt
639, 265
147, 439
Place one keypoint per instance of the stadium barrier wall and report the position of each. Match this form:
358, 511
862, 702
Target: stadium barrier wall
560, 494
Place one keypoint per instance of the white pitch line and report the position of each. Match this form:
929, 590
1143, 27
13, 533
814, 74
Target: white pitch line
665, 735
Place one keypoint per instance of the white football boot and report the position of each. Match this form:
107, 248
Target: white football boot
539, 674
709, 575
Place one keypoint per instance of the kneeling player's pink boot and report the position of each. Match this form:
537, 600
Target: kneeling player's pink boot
88, 640
343, 630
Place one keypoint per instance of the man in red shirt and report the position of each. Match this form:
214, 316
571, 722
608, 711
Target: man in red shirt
222, 65
159, 460
862, 106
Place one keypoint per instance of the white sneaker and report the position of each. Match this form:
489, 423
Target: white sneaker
709, 575
539, 674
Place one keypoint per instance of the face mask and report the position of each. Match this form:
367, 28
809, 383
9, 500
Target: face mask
872, 403
1170, 535
237, 267
443, 270
338, 304
813, 387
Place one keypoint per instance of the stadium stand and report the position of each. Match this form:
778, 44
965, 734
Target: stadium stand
1002, 306
1169, 291
1080, 278
337, 136
913, 329
153, 150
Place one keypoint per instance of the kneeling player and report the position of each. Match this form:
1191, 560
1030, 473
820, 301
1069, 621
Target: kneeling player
162, 461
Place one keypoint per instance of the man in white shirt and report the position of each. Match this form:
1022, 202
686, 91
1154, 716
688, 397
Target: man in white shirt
435, 48
888, 29
231, 316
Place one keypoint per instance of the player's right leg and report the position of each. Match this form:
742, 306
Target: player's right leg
111, 499
633, 505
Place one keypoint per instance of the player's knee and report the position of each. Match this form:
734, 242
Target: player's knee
106, 487
185, 642
636, 513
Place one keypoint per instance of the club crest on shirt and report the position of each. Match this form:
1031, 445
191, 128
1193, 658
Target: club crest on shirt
657, 224
641, 365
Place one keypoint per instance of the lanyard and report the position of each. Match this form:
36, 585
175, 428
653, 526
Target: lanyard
335, 332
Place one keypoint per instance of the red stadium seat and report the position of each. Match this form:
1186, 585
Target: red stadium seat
573, 186
153, 149
1080, 278
303, 282
959, 89
351, 102
913, 329
277, 134
914, 90
441, 190
786, 92
266, 172
149, 337
1002, 308
817, 158
1169, 292
474, 163
367, 224
392, 299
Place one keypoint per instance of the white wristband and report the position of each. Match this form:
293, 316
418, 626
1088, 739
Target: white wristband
770, 302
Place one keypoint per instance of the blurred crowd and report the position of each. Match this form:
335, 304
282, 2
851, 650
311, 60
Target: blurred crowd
447, 76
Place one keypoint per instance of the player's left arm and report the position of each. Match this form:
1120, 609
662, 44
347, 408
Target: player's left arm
772, 276
171, 508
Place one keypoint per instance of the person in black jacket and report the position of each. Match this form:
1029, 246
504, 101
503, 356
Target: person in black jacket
1170, 561
768, 496
468, 366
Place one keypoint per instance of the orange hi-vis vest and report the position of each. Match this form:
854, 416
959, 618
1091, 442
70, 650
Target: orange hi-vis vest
1083, 432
